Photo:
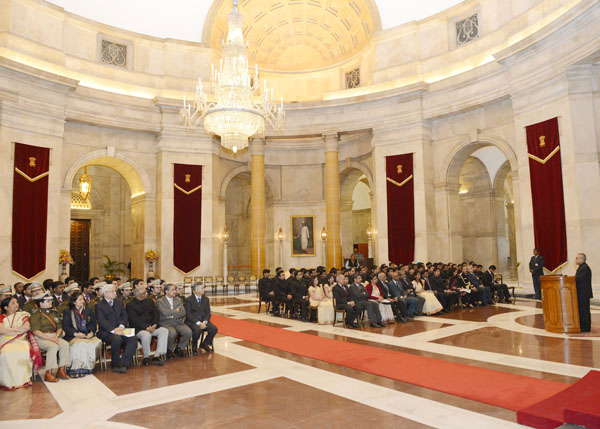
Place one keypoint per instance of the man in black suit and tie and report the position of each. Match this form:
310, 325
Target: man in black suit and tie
282, 293
112, 320
299, 292
343, 301
501, 288
583, 283
536, 268
265, 289
197, 317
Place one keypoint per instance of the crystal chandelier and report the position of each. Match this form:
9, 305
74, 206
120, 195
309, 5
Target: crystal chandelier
236, 115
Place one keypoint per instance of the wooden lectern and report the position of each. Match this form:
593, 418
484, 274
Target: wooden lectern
561, 313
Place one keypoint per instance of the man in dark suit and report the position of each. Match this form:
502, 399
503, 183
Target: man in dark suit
282, 292
408, 287
583, 282
58, 293
500, 288
403, 306
360, 296
265, 289
112, 320
197, 317
343, 301
536, 268
443, 293
18, 288
299, 292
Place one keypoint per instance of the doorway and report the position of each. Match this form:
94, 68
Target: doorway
80, 249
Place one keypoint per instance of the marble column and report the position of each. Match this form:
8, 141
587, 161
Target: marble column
332, 202
257, 205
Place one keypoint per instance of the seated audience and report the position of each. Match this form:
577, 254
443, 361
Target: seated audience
299, 292
406, 304
58, 293
125, 290
69, 291
265, 289
143, 317
172, 316
443, 293
197, 318
359, 294
376, 295
5, 291
19, 295
321, 298
46, 327
485, 292
282, 293
112, 320
79, 325
19, 351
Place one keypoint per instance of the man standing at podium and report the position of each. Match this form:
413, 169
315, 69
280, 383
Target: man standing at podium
583, 282
536, 268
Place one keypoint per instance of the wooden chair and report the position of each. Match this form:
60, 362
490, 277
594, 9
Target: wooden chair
499, 278
252, 282
219, 282
336, 312
240, 280
187, 285
208, 282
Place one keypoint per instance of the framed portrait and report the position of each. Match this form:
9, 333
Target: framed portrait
303, 235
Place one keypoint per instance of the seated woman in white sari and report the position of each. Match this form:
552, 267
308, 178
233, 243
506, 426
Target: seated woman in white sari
17, 355
320, 298
376, 294
79, 324
432, 305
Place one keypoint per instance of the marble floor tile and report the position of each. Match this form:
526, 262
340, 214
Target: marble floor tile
35, 402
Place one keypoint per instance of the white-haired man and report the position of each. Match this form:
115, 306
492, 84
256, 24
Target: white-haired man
112, 320
197, 317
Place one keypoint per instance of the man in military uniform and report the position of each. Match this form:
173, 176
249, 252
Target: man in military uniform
5, 291
157, 290
31, 306
46, 327
70, 290
125, 289
98, 297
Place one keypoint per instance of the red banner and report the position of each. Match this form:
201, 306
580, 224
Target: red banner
187, 217
545, 170
400, 208
30, 210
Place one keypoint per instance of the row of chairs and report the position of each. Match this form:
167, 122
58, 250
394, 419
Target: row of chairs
218, 282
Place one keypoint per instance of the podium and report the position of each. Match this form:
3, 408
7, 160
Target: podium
561, 313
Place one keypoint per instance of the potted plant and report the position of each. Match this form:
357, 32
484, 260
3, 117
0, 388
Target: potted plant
64, 258
112, 267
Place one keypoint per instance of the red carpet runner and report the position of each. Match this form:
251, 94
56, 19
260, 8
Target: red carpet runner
510, 391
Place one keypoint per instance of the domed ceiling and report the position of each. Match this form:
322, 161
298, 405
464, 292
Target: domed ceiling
300, 34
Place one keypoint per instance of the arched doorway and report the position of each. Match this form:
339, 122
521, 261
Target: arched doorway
237, 220
355, 211
117, 212
481, 221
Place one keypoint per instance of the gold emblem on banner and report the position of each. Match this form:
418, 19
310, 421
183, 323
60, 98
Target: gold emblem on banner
399, 168
542, 141
32, 161
187, 178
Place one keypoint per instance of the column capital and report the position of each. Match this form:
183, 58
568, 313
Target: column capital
257, 146
332, 142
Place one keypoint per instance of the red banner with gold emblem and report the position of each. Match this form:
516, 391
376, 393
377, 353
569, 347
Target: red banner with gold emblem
30, 210
545, 171
187, 217
400, 208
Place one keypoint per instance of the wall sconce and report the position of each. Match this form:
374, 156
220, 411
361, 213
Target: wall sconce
225, 234
369, 231
85, 185
324, 234
280, 235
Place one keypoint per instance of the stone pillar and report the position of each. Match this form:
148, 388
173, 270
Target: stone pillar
257, 205
332, 202
138, 216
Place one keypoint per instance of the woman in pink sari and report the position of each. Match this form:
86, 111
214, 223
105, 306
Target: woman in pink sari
17, 354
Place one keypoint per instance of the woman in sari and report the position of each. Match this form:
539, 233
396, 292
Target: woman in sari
432, 305
377, 295
322, 301
79, 325
17, 355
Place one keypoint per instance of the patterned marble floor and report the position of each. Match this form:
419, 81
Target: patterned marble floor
249, 385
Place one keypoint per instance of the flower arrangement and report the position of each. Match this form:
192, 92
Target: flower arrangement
151, 256
64, 257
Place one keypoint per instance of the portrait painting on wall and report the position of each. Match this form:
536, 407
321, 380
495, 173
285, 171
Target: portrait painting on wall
303, 235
